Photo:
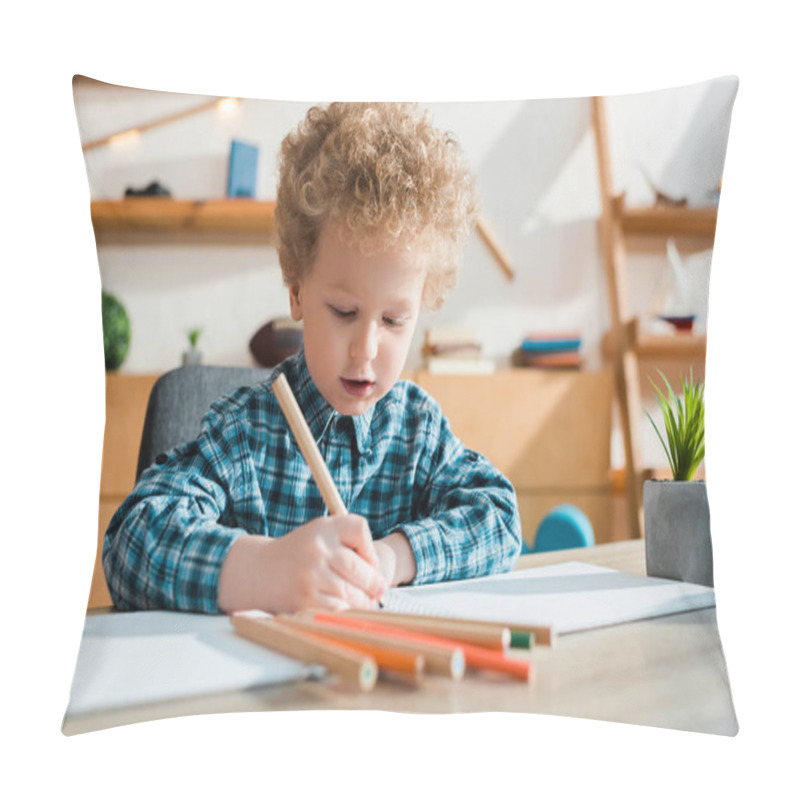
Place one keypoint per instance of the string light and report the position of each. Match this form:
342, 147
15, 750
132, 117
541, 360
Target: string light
228, 105
125, 138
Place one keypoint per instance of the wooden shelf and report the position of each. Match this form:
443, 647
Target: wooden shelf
682, 346
669, 220
686, 347
169, 214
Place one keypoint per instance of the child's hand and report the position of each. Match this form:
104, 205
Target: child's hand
396, 559
328, 563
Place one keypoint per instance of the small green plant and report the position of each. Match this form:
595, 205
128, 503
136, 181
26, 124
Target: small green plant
684, 421
116, 331
194, 336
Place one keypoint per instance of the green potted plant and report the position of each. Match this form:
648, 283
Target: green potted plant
116, 331
193, 355
677, 529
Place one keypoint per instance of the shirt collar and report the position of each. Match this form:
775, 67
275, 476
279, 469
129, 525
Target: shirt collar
316, 409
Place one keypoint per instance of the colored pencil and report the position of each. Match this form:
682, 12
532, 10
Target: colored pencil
543, 634
351, 665
308, 447
520, 634
522, 640
476, 657
492, 637
390, 656
441, 659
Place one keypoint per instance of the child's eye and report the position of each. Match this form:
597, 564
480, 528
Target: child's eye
342, 313
394, 322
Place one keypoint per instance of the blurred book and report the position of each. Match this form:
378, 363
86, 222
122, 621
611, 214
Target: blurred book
449, 335
454, 350
242, 169
552, 350
441, 365
519, 358
557, 342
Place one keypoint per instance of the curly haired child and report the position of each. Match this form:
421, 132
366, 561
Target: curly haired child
373, 208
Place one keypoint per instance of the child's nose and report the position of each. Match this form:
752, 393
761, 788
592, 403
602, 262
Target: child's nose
364, 346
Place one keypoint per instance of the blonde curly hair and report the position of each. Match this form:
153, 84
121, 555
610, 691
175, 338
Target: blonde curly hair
386, 176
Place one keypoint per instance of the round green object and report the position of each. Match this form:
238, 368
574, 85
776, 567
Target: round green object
116, 331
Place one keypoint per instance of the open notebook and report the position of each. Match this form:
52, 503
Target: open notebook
134, 657
566, 597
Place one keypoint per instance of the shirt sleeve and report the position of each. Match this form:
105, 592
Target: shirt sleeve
467, 520
165, 545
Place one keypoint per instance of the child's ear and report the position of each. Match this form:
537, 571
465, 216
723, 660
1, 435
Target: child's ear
296, 300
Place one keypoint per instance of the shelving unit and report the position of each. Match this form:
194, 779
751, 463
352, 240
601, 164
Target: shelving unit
625, 343
137, 214
667, 220
682, 347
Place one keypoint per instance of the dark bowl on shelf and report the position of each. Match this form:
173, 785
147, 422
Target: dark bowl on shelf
683, 324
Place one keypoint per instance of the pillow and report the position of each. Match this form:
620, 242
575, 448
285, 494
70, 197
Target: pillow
188, 258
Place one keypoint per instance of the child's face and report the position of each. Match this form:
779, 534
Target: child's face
359, 313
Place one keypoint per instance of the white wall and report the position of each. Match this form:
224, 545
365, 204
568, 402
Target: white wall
537, 179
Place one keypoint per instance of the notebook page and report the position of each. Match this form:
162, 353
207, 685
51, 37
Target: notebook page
134, 657
566, 597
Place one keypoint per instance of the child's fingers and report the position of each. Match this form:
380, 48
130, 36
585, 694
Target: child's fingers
329, 602
339, 595
353, 569
354, 532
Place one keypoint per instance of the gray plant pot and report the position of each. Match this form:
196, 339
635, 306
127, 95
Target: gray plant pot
677, 531
191, 357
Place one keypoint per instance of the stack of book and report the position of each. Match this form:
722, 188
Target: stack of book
559, 350
454, 350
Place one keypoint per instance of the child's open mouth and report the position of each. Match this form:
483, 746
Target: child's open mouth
358, 388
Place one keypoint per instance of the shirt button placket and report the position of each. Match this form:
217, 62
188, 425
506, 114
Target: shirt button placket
339, 446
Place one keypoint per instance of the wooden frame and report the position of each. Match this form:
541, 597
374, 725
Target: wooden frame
624, 344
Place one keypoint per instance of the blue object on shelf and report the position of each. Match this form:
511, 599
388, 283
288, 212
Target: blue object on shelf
549, 345
242, 169
564, 527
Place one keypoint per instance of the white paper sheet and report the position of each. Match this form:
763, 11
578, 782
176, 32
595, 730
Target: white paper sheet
567, 597
128, 658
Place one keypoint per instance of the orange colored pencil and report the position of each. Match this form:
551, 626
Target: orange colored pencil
404, 661
481, 658
476, 657
440, 659
349, 664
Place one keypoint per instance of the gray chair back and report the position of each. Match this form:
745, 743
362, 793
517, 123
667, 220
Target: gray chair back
179, 400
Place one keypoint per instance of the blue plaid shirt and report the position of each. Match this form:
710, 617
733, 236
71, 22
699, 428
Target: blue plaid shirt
398, 465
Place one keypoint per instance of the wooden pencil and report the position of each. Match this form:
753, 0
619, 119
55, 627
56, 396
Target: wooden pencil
351, 665
493, 637
308, 447
543, 634
439, 659
390, 656
475, 657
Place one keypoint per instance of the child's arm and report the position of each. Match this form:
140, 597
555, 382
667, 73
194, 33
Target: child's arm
396, 559
466, 521
186, 525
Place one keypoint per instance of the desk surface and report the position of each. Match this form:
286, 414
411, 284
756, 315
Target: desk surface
668, 672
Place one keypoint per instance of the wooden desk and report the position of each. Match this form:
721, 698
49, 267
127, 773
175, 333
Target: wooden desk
668, 672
